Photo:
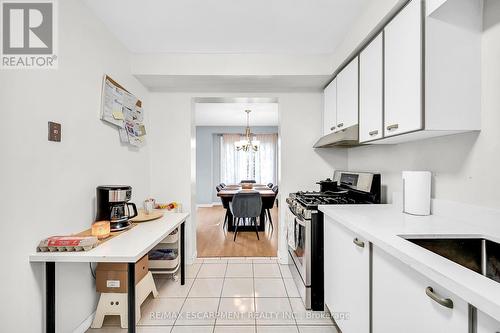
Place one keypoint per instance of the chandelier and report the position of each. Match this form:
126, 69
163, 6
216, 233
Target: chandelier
247, 144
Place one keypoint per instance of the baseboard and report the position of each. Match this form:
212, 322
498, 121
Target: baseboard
210, 205
193, 258
85, 325
204, 205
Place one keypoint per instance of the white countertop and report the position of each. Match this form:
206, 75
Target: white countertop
382, 225
129, 246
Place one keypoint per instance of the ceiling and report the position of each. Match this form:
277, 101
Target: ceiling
233, 114
228, 26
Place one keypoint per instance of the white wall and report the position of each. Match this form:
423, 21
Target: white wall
49, 188
173, 148
367, 22
465, 166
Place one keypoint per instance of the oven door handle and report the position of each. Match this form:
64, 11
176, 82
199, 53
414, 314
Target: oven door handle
300, 221
298, 217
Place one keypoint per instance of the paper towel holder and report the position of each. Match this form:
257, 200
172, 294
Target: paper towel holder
422, 207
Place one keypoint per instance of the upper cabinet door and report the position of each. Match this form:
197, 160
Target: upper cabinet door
347, 96
403, 71
330, 107
371, 91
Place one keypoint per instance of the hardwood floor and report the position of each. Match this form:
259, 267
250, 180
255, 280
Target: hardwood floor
213, 241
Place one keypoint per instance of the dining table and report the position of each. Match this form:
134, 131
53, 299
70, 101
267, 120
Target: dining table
227, 194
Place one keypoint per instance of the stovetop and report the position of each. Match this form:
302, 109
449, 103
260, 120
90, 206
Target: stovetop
313, 199
353, 188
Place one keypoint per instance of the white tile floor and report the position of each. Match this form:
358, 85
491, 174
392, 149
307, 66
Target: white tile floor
228, 295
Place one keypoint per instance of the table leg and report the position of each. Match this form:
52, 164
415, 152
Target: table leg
131, 297
181, 252
50, 297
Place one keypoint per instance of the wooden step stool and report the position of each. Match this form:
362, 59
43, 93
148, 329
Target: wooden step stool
116, 303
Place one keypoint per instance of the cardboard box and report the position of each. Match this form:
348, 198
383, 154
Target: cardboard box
113, 277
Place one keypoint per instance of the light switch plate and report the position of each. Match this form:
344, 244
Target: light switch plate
54, 132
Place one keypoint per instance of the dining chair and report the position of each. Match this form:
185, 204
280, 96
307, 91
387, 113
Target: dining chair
267, 205
246, 206
275, 189
222, 185
270, 185
248, 181
225, 205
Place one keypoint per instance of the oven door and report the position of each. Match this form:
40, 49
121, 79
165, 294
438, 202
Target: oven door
301, 254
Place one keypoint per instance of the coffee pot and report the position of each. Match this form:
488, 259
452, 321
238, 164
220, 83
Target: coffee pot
113, 205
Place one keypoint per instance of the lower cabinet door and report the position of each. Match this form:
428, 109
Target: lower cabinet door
403, 302
347, 278
486, 324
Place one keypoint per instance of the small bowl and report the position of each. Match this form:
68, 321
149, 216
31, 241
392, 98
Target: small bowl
247, 186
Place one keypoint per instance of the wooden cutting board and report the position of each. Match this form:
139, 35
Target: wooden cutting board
143, 217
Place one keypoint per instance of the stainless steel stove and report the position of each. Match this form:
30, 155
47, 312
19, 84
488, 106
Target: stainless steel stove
305, 228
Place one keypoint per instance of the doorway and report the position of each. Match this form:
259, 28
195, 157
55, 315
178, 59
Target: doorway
223, 128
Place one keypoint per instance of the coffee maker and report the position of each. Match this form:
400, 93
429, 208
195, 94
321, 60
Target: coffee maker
112, 205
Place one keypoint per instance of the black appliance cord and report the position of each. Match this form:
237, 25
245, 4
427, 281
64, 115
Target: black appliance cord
91, 270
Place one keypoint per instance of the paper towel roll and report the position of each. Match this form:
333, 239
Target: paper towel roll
417, 192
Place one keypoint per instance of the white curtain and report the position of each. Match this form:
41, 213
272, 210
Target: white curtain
239, 165
266, 159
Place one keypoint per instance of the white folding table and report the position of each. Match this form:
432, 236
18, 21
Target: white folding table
128, 247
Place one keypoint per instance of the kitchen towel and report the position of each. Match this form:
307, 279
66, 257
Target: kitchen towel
417, 192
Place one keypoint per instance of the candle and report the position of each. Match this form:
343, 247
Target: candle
101, 229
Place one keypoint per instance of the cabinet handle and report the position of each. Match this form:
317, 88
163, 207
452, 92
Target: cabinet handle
358, 242
393, 126
340, 125
332, 128
446, 302
372, 133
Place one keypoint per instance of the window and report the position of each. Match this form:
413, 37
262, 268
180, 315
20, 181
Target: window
239, 165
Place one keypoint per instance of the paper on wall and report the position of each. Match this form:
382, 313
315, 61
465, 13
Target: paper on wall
111, 110
118, 115
137, 141
123, 135
128, 102
120, 108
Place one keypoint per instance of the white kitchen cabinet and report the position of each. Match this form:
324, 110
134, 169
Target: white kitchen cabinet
403, 72
486, 324
330, 107
429, 91
400, 302
347, 277
347, 96
431, 74
371, 91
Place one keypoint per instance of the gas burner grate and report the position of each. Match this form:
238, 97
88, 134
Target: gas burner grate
338, 200
324, 198
323, 194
